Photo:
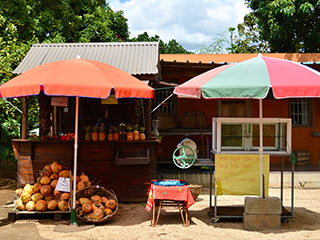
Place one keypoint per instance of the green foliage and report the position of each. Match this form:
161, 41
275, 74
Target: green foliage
172, 47
218, 45
247, 38
288, 25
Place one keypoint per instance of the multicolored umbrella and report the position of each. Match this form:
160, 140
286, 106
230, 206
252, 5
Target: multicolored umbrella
252, 79
76, 78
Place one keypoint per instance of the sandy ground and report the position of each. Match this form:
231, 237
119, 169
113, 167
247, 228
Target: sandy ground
132, 221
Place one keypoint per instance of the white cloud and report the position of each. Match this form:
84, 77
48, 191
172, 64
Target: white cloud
189, 22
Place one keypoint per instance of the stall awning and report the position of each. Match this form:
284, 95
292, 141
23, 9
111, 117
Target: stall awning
132, 57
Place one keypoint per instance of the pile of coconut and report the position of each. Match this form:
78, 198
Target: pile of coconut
43, 196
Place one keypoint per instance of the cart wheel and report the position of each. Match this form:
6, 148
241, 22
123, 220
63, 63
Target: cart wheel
215, 220
181, 159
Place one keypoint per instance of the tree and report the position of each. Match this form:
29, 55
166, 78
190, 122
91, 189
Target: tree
218, 45
172, 47
247, 38
288, 25
25, 22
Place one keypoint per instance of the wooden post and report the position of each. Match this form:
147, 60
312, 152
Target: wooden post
148, 118
24, 119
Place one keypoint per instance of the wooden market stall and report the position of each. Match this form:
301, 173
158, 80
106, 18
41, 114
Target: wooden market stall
122, 165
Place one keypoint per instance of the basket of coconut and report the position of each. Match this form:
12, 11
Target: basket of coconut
95, 204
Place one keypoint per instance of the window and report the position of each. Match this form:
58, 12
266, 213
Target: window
300, 112
168, 105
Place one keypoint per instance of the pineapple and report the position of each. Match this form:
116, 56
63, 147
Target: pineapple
129, 133
142, 135
136, 132
94, 134
115, 134
102, 134
88, 133
110, 135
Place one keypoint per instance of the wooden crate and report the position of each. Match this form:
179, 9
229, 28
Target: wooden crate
302, 157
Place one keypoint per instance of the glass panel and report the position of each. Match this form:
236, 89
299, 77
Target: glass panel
231, 135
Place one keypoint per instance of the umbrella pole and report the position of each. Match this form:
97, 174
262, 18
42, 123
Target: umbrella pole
73, 210
261, 149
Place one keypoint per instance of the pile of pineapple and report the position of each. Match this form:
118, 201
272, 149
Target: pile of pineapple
43, 196
122, 132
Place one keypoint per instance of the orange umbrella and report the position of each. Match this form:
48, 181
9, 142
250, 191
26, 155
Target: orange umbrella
79, 78
76, 77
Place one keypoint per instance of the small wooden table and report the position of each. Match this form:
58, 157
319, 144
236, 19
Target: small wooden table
164, 197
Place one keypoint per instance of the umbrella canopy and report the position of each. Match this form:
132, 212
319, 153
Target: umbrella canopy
76, 77
253, 79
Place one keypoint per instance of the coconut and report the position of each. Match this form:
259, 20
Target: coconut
36, 187
25, 197
96, 198
63, 205
86, 208
52, 205
54, 176
111, 204
53, 184
64, 174
98, 214
45, 180
65, 196
28, 188
84, 200
104, 200
108, 211
45, 190
56, 167
20, 205
41, 205
57, 194
97, 205
36, 197
84, 178
30, 206
80, 185
48, 198
19, 191
46, 171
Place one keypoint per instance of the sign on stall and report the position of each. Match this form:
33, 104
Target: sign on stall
239, 174
63, 184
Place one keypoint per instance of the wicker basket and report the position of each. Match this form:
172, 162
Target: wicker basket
195, 190
95, 190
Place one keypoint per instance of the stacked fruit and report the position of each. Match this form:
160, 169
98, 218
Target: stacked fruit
96, 207
43, 195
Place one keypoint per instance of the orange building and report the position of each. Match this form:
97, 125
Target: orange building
180, 116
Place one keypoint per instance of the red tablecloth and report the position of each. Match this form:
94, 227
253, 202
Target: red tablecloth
178, 193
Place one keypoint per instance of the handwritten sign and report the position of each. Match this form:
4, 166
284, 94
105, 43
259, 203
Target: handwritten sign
59, 101
239, 174
63, 185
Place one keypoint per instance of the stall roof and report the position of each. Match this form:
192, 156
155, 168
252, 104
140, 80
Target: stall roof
306, 58
131, 57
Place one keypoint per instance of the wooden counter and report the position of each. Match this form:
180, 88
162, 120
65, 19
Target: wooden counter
125, 167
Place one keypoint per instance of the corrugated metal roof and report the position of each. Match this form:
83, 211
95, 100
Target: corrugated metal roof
237, 57
131, 57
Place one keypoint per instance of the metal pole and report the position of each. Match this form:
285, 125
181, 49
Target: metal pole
73, 210
261, 148
281, 189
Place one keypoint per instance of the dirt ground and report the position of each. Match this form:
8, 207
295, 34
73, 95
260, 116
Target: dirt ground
132, 221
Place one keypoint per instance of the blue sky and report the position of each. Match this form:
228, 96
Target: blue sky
190, 22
